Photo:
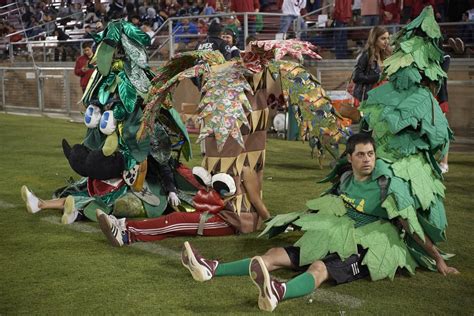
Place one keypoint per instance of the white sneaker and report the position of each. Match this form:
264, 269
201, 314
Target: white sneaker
30, 200
70, 212
114, 229
444, 167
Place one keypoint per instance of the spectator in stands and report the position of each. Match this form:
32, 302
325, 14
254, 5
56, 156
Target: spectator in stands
202, 26
83, 69
49, 24
208, 8
231, 39
406, 11
232, 23
313, 5
184, 27
91, 15
116, 9
215, 42
196, 7
390, 11
292, 11
342, 15
441, 10
135, 20
249, 6
147, 28
77, 14
63, 48
35, 27
369, 64
370, 12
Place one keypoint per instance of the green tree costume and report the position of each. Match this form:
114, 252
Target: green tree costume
410, 131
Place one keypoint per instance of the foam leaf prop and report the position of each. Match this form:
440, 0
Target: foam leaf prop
386, 251
325, 234
280, 220
328, 204
127, 93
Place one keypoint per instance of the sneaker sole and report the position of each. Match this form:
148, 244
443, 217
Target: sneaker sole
68, 211
24, 197
106, 229
263, 285
192, 262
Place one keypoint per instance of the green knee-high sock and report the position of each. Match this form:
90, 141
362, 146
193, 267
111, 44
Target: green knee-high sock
301, 285
240, 267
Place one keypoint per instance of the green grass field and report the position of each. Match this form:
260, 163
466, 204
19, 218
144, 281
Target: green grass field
48, 268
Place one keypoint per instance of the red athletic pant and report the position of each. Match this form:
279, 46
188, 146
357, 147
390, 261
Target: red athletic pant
176, 224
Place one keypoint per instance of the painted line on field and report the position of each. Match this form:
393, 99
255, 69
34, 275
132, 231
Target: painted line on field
77, 226
5, 205
144, 246
331, 297
157, 249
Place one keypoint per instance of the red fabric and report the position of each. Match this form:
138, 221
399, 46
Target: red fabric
208, 201
418, 6
240, 6
82, 62
444, 106
343, 11
187, 173
174, 225
97, 187
212, 3
392, 6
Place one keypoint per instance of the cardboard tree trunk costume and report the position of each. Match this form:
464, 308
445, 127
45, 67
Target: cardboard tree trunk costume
233, 109
118, 168
410, 130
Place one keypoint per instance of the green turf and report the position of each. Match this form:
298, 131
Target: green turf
47, 268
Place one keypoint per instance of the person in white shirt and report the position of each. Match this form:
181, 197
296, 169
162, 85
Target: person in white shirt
291, 10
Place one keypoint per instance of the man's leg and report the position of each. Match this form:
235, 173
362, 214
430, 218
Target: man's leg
203, 269
285, 22
271, 292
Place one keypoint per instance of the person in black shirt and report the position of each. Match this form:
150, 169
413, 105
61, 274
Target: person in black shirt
214, 41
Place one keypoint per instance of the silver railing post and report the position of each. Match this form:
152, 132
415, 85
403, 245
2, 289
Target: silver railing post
67, 91
39, 76
3, 90
171, 40
10, 52
246, 28
44, 51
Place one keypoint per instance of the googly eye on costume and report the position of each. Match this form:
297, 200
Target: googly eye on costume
108, 123
224, 184
202, 176
92, 116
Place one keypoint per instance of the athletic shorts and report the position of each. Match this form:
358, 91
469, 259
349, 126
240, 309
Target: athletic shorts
340, 271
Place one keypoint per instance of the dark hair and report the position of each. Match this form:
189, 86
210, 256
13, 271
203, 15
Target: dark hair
214, 29
360, 138
231, 33
250, 39
86, 45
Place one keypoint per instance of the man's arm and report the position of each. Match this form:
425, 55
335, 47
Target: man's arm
430, 248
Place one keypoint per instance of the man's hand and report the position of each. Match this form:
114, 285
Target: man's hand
173, 199
444, 269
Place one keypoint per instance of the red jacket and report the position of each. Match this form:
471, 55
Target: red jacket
245, 6
343, 11
82, 62
392, 6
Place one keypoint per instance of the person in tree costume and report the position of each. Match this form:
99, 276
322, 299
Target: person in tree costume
123, 174
233, 110
381, 215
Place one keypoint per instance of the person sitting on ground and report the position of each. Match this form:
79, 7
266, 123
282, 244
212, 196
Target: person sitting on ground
359, 186
368, 68
214, 41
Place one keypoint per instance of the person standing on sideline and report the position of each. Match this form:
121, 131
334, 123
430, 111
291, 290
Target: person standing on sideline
370, 12
292, 11
370, 62
82, 68
246, 6
342, 15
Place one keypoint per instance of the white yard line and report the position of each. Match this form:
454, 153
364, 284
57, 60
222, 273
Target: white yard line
5, 205
331, 297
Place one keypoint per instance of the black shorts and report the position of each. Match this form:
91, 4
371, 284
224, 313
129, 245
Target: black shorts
340, 271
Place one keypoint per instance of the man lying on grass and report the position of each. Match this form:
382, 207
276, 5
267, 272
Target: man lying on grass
351, 236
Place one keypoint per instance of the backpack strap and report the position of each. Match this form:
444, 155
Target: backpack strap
344, 177
383, 184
